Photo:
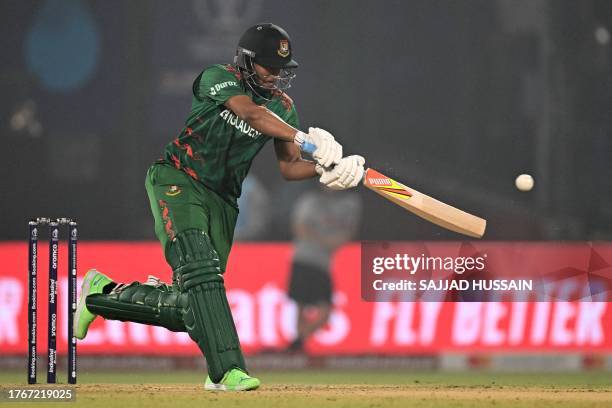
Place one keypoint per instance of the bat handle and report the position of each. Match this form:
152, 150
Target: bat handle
365, 174
308, 147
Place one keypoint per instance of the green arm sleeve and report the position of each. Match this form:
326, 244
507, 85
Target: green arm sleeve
219, 84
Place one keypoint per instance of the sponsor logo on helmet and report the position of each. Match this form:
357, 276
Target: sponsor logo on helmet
283, 48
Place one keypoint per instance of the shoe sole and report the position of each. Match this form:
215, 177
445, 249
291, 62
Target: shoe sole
85, 287
222, 387
215, 387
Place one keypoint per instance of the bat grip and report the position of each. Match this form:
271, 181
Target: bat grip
308, 147
363, 178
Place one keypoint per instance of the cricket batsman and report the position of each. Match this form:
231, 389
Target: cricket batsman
193, 191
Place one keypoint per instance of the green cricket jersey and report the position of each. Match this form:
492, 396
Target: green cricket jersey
216, 147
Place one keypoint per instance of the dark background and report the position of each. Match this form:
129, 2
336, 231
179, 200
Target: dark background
453, 98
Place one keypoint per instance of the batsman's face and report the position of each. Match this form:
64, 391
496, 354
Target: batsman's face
267, 77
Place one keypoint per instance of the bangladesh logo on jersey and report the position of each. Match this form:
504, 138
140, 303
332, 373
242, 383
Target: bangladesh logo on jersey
173, 191
283, 49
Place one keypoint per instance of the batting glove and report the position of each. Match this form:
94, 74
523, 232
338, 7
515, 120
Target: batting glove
324, 148
346, 174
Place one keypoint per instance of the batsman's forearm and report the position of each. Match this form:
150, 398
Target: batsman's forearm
298, 170
268, 123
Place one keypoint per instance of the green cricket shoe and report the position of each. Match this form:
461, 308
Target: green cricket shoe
234, 380
93, 282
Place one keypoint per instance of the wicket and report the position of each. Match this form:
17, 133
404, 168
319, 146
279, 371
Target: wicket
54, 232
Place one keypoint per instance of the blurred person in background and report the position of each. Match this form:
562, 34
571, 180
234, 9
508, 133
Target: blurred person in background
193, 191
322, 221
254, 216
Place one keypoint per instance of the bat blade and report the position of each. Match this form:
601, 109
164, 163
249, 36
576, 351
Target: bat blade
426, 207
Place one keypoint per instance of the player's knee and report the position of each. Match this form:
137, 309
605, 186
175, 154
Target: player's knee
198, 262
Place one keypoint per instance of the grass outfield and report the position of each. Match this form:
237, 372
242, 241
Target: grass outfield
375, 389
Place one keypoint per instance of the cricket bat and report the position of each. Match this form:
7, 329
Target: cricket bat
424, 206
